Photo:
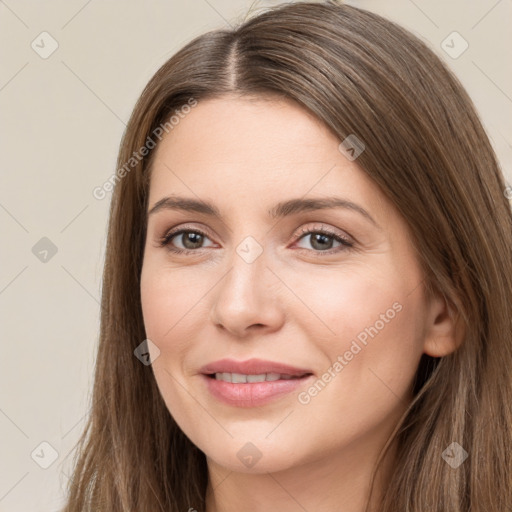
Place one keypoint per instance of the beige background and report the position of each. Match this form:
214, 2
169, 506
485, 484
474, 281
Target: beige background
62, 119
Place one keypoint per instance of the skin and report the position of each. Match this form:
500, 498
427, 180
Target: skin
292, 304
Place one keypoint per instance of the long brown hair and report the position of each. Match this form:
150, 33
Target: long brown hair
426, 149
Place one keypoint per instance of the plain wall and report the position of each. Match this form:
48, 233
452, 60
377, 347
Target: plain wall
62, 118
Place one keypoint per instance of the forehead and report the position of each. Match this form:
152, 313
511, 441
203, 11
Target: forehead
253, 127
234, 149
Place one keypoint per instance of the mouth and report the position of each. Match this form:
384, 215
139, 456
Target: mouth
252, 383
241, 378
252, 367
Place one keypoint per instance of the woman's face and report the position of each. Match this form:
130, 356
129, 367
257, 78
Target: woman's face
296, 271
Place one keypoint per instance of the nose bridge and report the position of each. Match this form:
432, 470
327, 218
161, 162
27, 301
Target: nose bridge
243, 297
244, 285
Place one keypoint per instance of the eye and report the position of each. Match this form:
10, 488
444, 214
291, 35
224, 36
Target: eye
321, 240
324, 240
190, 240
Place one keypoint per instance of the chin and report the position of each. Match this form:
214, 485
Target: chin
265, 464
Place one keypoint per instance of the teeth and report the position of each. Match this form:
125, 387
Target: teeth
257, 378
237, 378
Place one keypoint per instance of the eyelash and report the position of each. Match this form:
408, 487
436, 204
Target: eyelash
346, 245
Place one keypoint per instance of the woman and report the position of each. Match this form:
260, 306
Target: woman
307, 287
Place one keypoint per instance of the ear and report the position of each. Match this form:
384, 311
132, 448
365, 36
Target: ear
444, 331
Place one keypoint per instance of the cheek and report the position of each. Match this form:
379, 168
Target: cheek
368, 328
370, 361
175, 309
356, 303
169, 298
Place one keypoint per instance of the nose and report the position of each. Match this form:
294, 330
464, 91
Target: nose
246, 300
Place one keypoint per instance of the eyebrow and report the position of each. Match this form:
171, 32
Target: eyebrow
283, 209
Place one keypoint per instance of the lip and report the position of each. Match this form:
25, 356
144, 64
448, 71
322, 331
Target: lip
252, 394
252, 367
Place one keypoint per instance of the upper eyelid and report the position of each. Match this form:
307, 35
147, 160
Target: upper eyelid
184, 228
322, 228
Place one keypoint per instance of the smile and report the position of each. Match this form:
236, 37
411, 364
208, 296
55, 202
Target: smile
246, 390
239, 378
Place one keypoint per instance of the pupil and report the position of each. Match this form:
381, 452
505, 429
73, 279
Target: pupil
322, 239
192, 240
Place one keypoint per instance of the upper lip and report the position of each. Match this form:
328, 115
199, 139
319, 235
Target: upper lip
252, 367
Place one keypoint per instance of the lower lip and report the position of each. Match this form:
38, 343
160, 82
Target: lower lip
252, 394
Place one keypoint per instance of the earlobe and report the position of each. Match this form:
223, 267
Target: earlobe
444, 332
